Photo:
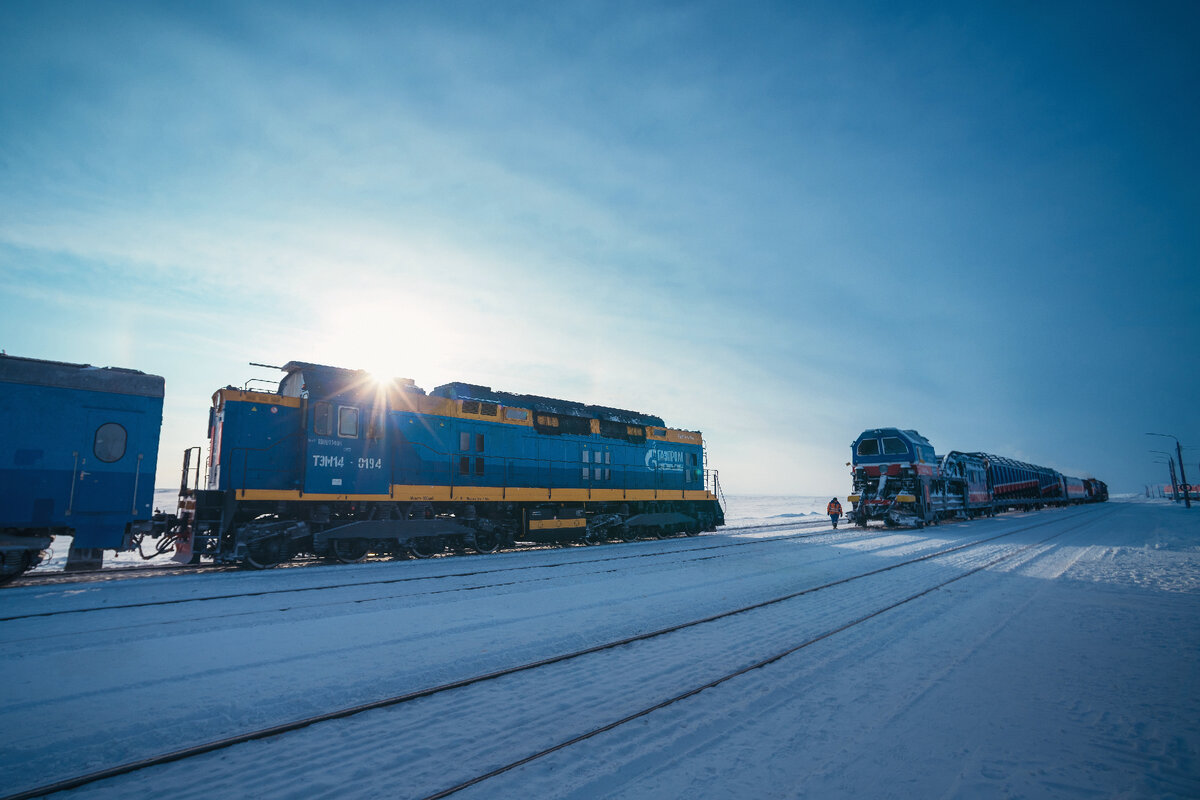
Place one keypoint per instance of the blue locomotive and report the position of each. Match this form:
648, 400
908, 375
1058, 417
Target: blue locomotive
337, 463
77, 458
899, 480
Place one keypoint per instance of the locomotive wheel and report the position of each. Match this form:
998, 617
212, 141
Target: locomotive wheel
595, 537
266, 553
628, 533
486, 541
349, 551
426, 546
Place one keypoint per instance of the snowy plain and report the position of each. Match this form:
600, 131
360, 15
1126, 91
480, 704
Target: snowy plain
1046, 654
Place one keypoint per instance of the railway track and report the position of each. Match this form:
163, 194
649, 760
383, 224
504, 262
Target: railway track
1072, 523
849, 533
50, 577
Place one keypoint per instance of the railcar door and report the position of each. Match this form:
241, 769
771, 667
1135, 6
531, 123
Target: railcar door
106, 478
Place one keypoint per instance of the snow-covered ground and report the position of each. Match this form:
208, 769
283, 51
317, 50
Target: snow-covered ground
1068, 665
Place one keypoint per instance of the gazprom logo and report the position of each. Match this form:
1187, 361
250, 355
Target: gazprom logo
671, 460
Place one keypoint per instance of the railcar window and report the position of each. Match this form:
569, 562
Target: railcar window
322, 419
109, 445
893, 446
348, 422
868, 447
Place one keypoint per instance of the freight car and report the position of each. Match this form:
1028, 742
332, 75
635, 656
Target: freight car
338, 464
77, 458
898, 479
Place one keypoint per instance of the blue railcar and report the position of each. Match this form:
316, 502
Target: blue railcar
337, 463
77, 457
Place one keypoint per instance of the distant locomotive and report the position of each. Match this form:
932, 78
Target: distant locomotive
899, 480
338, 464
77, 457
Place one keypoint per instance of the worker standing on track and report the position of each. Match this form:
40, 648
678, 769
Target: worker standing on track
834, 510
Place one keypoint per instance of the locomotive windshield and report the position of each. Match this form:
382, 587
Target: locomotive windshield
894, 446
868, 447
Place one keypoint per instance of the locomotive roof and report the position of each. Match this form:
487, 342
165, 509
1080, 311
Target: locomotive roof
916, 437
64, 375
546, 405
320, 378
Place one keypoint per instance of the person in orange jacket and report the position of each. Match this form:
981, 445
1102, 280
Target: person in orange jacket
834, 510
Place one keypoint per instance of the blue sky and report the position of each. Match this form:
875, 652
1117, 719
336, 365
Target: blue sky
779, 224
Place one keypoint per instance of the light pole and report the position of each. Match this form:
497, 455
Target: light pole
1187, 500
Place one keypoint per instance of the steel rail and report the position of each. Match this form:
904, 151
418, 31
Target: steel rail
411, 578
56, 576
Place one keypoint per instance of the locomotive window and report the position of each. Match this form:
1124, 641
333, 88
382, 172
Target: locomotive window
479, 466
110, 441
375, 426
348, 422
598, 472
464, 441
464, 465
893, 446
586, 456
322, 419
479, 442
586, 472
515, 413
693, 459
868, 447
